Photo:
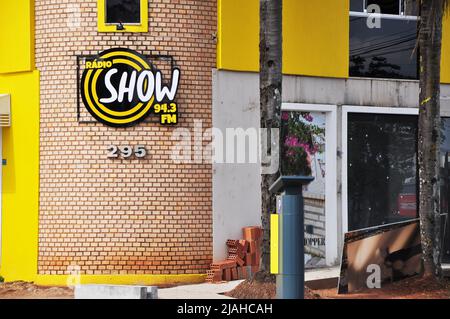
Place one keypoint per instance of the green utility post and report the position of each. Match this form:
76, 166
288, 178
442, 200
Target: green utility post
291, 260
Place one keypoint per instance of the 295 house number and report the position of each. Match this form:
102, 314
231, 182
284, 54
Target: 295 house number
126, 151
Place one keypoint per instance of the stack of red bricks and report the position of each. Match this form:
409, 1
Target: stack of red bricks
243, 258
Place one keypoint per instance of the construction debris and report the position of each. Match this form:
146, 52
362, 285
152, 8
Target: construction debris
242, 259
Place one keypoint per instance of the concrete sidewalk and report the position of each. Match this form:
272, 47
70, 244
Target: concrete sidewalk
198, 291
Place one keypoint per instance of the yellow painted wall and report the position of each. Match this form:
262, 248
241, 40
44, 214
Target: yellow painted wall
72, 280
445, 55
274, 243
20, 177
315, 36
16, 36
238, 35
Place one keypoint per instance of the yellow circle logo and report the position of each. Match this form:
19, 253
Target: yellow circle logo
120, 87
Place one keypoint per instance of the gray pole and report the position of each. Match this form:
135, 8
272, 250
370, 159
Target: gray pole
291, 277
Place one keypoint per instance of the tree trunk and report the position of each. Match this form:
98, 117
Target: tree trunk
430, 34
270, 98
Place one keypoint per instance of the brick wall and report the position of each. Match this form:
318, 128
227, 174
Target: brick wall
147, 216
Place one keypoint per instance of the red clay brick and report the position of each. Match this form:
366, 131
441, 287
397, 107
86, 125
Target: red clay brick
244, 245
234, 274
237, 259
254, 246
252, 233
227, 274
213, 275
236, 251
232, 243
225, 264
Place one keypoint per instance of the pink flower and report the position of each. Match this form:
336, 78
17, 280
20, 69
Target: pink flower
291, 141
308, 117
284, 116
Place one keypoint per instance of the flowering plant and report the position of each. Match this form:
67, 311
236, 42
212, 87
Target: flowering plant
301, 139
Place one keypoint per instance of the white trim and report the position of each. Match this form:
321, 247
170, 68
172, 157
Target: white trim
360, 109
331, 214
383, 16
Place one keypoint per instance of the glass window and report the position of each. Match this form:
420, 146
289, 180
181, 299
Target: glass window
382, 184
394, 7
445, 188
386, 6
382, 172
357, 5
303, 144
386, 52
123, 11
385, 48
304, 153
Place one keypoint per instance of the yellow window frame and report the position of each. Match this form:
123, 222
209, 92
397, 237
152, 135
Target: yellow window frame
102, 26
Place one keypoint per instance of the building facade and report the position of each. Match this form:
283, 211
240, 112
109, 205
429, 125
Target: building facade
351, 83
70, 209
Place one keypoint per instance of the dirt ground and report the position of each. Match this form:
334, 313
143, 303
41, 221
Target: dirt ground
412, 288
27, 290
256, 290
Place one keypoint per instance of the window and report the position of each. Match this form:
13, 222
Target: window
381, 169
386, 50
122, 15
123, 11
382, 172
394, 7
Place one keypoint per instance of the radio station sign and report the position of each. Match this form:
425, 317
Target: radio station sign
121, 87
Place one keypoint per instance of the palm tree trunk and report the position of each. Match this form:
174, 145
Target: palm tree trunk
430, 34
270, 104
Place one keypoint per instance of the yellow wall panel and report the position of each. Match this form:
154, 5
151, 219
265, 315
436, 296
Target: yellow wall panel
445, 56
238, 35
16, 36
274, 243
315, 36
20, 178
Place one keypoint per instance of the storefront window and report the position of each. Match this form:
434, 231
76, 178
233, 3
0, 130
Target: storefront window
382, 154
382, 172
123, 11
445, 188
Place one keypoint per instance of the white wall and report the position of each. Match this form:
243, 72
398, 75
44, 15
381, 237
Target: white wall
236, 187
